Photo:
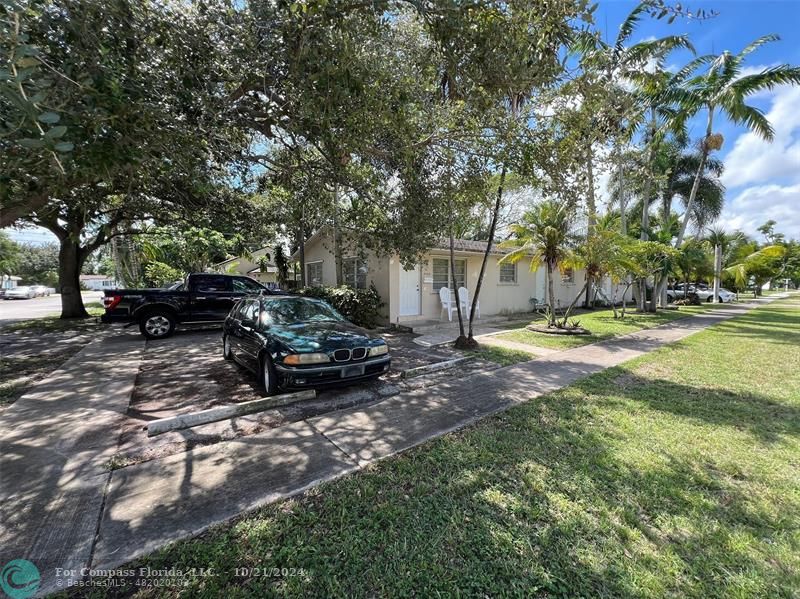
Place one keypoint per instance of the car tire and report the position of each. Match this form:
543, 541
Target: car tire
267, 377
710, 299
226, 348
157, 324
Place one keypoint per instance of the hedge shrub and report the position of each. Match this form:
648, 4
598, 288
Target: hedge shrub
360, 306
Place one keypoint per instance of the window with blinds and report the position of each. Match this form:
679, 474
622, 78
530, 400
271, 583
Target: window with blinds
441, 273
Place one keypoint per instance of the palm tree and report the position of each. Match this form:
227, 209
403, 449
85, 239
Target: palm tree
721, 242
723, 88
679, 169
760, 265
546, 235
691, 256
656, 93
604, 253
605, 68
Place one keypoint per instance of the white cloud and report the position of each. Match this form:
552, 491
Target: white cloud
755, 205
753, 160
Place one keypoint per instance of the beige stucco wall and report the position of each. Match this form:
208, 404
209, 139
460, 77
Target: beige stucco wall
496, 298
320, 249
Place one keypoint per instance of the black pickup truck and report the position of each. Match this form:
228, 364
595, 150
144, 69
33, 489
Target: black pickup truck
201, 299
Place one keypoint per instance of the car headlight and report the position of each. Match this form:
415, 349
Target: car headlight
378, 350
297, 359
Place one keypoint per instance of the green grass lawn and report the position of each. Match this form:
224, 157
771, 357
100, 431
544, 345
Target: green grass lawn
676, 474
602, 325
501, 355
53, 322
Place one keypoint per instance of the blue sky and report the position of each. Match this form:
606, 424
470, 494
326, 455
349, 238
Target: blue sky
762, 180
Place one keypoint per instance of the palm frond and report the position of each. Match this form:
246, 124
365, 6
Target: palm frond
750, 116
756, 44
767, 79
629, 25
690, 67
644, 51
739, 274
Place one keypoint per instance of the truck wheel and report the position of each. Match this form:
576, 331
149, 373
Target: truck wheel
268, 377
158, 324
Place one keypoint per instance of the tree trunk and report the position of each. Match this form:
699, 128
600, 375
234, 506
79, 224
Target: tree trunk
644, 235
614, 300
461, 341
70, 263
337, 237
717, 270
591, 209
302, 250
655, 294
551, 322
696, 185
492, 228
572, 304
624, 304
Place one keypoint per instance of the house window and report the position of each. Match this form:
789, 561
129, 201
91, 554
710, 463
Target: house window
354, 271
441, 274
568, 276
314, 274
508, 272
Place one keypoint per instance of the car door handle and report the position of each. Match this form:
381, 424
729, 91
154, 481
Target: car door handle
199, 297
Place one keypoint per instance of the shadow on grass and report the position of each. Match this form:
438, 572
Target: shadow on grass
546, 499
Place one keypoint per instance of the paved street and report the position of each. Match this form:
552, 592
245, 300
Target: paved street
38, 307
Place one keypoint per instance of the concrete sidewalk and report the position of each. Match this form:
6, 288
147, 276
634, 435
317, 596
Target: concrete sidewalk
163, 500
55, 442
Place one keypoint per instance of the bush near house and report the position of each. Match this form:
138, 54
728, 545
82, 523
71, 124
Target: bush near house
360, 306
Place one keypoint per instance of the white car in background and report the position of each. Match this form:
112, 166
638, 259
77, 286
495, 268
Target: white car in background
707, 295
23, 292
41, 290
704, 294
725, 296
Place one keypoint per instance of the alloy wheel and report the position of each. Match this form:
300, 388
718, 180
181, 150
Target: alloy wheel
157, 326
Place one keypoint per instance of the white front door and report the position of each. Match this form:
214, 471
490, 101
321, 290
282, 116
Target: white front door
409, 292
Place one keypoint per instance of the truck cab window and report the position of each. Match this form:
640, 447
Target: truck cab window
243, 285
211, 284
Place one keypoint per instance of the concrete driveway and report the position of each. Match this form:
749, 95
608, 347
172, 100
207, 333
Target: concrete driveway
186, 373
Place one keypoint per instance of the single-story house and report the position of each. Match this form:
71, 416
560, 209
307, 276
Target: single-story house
412, 294
249, 266
98, 282
10, 281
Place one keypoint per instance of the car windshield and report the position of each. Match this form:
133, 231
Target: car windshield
23, 289
297, 310
176, 286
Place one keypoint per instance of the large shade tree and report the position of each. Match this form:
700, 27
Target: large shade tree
141, 117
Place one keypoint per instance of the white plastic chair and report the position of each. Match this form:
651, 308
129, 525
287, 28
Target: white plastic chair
463, 297
447, 302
